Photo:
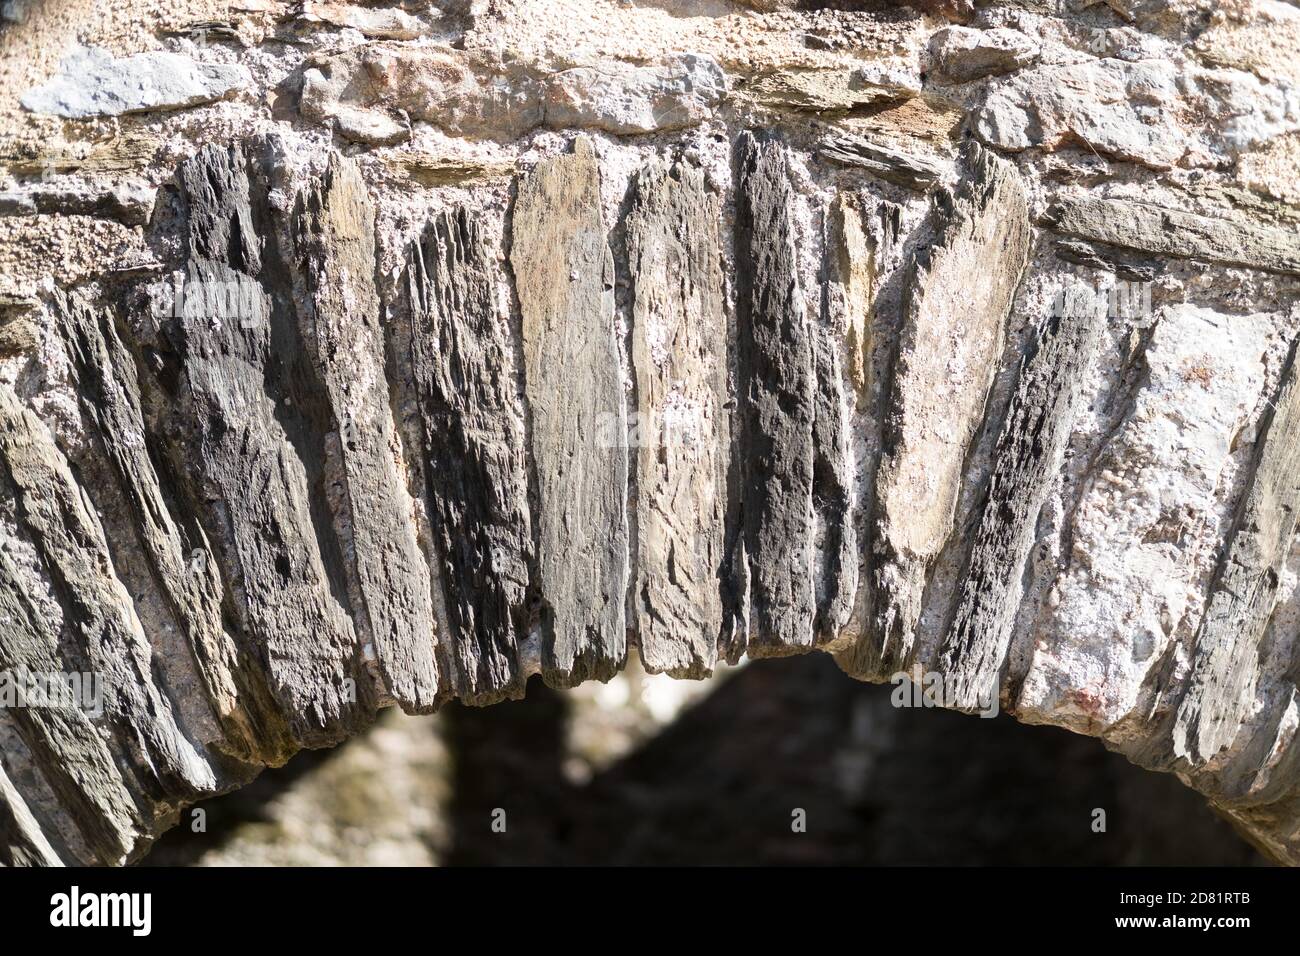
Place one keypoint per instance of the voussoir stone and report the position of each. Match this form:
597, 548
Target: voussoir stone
943, 372
471, 447
682, 429
564, 275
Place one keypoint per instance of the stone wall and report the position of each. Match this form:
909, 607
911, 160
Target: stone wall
370, 355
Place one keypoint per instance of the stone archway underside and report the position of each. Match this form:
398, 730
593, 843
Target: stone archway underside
355, 357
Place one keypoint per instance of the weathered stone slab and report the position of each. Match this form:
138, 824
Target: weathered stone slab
1126, 110
21, 841
99, 617
850, 281
851, 277
474, 451
72, 752
681, 431
381, 23
835, 541
1171, 232
830, 89
1056, 365
564, 278
1121, 595
250, 452
777, 406
340, 323
959, 290
461, 92
958, 11
470, 92
1226, 661
891, 165
1127, 266
961, 54
91, 82
624, 99
175, 546
126, 202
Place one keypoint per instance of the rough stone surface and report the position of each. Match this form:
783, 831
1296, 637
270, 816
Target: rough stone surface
91, 796
891, 165
962, 54
829, 90
1030, 448
342, 363
250, 446
99, 618
564, 274
959, 291
681, 436
21, 841
93, 83
1174, 232
1135, 571
176, 550
340, 327
382, 24
1125, 110
626, 99
473, 443
461, 92
1226, 666
777, 408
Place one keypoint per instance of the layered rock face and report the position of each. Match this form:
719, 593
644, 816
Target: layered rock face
357, 356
